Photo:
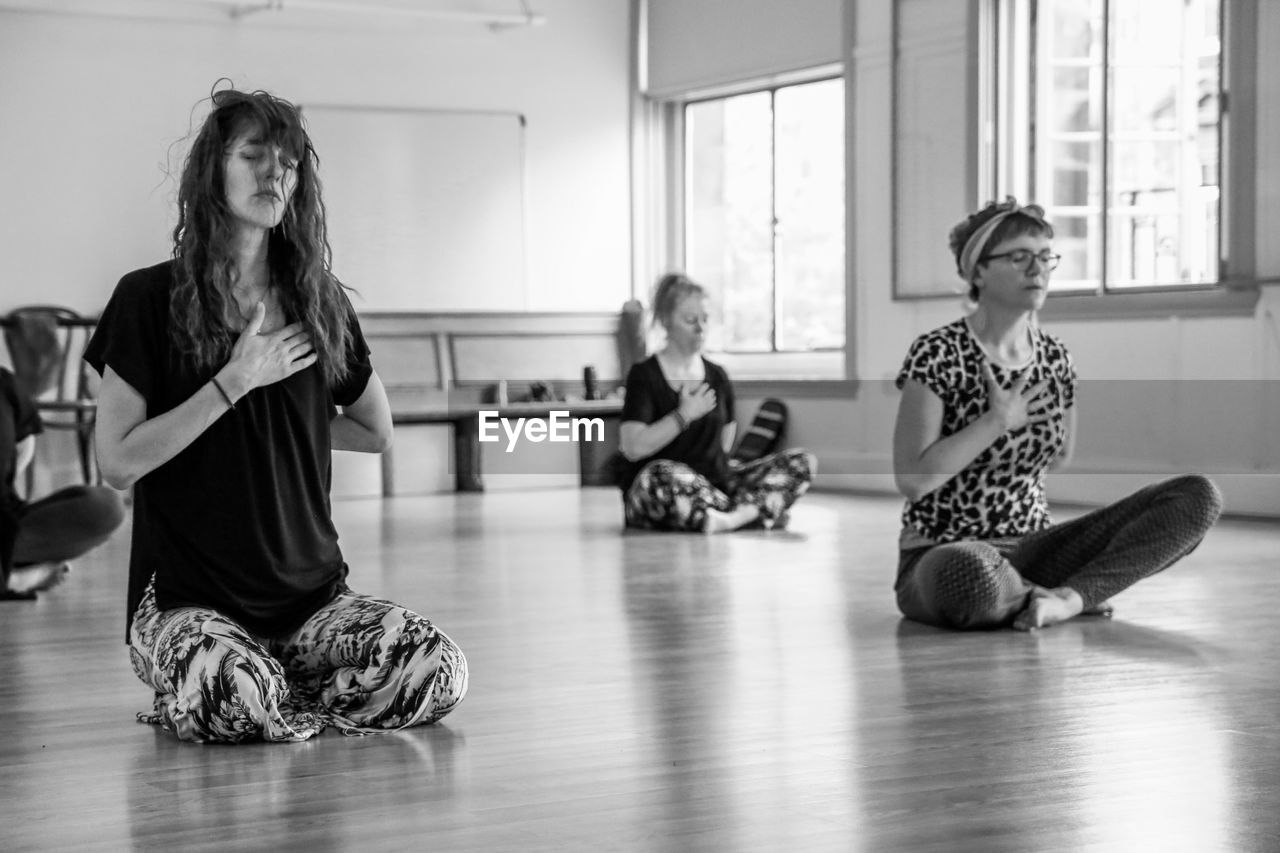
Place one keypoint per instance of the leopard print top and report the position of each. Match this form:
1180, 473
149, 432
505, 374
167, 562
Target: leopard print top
1000, 493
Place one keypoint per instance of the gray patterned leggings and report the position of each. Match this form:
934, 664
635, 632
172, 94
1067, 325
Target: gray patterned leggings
984, 584
360, 663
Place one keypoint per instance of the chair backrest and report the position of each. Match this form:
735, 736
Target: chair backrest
632, 342
45, 344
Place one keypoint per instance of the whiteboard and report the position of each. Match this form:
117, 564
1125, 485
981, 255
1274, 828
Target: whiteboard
425, 208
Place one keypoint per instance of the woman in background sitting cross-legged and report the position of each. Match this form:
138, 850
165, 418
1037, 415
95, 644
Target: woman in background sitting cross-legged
39, 538
678, 429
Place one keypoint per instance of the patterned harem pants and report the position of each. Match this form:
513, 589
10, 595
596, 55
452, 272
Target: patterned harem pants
985, 584
359, 663
669, 495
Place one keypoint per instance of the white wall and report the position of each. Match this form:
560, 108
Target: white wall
92, 108
1151, 417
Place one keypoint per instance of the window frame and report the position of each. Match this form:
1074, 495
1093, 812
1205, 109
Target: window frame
660, 177
756, 358
1235, 289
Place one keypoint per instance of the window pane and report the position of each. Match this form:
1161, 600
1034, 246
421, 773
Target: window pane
1159, 207
1068, 160
764, 228
810, 211
1076, 179
1075, 27
1163, 131
1148, 32
1144, 248
1077, 237
1076, 100
1161, 231
1144, 172
1146, 100
729, 240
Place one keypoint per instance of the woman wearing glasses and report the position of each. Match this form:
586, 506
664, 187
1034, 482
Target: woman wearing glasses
987, 409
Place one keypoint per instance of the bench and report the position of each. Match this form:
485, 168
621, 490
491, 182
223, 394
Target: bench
442, 369
467, 446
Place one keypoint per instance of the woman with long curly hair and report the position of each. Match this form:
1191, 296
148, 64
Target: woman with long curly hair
229, 373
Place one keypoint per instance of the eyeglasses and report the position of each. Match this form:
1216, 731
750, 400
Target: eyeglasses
1022, 258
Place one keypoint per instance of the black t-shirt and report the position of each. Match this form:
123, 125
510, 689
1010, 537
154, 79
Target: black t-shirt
18, 419
238, 521
651, 397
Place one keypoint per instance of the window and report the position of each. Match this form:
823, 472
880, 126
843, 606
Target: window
1109, 113
764, 225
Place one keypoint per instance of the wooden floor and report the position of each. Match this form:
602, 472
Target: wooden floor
644, 692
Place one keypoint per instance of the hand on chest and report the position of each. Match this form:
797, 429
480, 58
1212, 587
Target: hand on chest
1031, 445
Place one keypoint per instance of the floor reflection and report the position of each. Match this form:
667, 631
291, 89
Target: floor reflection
280, 795
676, 608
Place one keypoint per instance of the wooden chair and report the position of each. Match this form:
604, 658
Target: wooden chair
45, 345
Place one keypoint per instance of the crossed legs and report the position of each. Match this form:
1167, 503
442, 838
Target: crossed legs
1063, 570
669, 495
360, 663
55, 529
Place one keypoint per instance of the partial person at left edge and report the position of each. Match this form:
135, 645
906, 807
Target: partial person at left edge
39, 538
229, 373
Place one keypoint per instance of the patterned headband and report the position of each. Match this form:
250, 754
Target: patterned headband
976, 245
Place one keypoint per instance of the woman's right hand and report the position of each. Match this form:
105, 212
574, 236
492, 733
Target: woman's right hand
1019, 405
259, 358
696, 402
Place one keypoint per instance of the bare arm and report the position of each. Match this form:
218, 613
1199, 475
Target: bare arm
923, 461
638, 440
365, 425
130, 446
728, 434
1063, 459
23, 453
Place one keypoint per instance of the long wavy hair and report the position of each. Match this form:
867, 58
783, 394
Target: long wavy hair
298, 253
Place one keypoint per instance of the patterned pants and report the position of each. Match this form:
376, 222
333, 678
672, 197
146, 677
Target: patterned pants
669, 495
360, 663
985, 584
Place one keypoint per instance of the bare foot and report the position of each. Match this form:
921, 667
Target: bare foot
723, 522
779, 523
37, 578
1049, 607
